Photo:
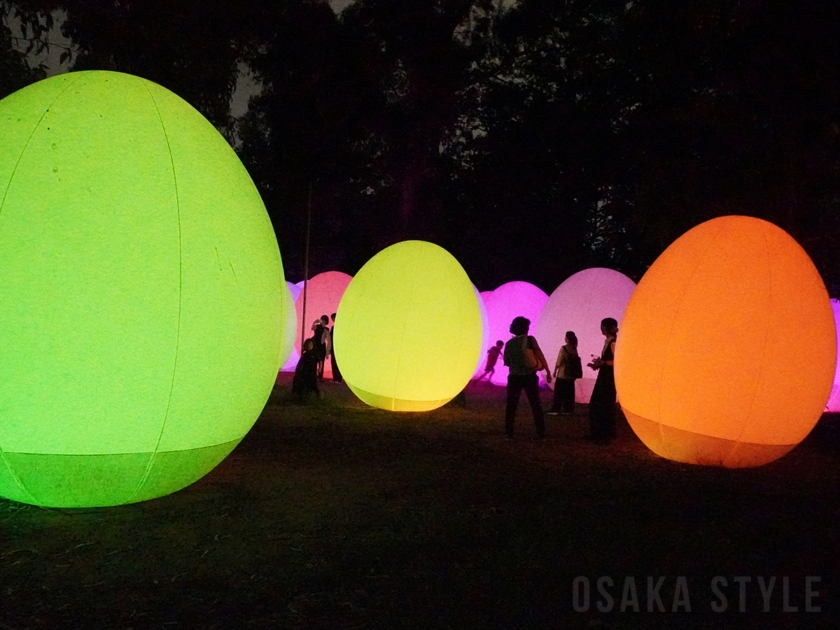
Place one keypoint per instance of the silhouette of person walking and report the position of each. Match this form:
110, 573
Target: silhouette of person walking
492, 357
524, 358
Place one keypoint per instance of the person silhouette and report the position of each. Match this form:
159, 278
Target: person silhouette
336, 373
524, 358
492, 357
321, 339
305, 380
602, 402
564, 386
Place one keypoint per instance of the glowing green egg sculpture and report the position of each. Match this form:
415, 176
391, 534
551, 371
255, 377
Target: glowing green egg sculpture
142, 313
408, 329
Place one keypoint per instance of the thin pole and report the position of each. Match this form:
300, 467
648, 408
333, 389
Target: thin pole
306, 267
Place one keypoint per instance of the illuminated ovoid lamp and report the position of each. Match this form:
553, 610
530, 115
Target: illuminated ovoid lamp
141, 318
408, 331
726, 354
579, 304
506, 302
290, 355
323, 293
833, 404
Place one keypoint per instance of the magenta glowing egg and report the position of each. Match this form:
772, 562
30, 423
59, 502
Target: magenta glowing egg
833, 404
294, 289
579, 304
508, 301
323, 293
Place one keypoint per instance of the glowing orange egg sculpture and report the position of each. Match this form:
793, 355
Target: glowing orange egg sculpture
726, 352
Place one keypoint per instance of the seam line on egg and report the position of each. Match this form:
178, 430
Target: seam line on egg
151, 463
406, 310
677, 311
763, 350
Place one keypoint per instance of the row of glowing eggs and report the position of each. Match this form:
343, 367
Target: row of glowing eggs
578, 304
209, 322
700, 369
719, 423
583, 299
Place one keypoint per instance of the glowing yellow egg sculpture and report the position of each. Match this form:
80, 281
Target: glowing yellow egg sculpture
726, 352
408, 330
141, 306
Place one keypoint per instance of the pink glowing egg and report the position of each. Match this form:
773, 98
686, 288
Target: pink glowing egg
508, 301
579, 304
323, 293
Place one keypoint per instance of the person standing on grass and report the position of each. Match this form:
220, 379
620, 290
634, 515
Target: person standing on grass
524, 358
492, 357
321, 338
602, 403
305, 381
336, 373
565, 371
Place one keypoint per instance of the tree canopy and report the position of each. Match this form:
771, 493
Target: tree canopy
531, 140
21, 33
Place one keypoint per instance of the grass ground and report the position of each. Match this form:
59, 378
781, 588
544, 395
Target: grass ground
337, 516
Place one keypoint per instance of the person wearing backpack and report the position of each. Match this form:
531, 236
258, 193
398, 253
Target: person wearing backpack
567, 369
524, 358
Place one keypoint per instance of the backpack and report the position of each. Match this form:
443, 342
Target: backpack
531, 361
574, 369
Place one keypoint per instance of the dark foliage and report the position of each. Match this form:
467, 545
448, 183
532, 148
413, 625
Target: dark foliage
15, 71
531, 142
